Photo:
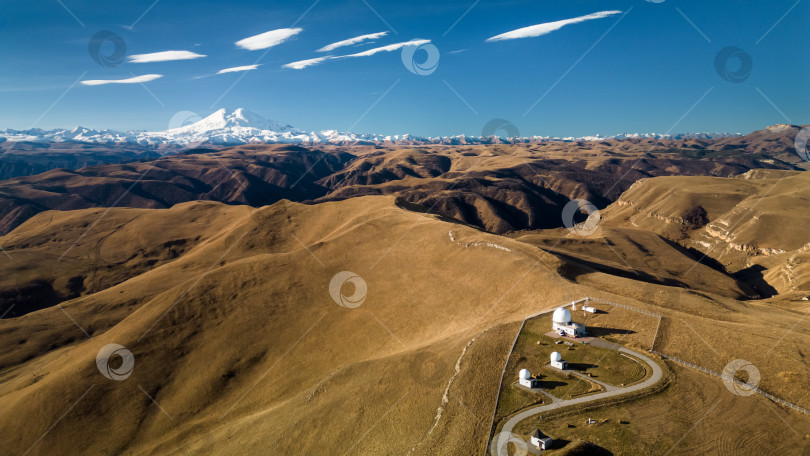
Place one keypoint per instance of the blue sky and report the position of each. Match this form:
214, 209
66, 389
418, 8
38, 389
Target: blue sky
650, 68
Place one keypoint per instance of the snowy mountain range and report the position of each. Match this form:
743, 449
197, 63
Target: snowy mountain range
241, 126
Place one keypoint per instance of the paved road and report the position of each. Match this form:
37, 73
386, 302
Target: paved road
501, 439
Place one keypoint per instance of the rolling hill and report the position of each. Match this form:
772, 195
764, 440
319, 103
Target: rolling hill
496, 187
238, 346
751, 224
215, 270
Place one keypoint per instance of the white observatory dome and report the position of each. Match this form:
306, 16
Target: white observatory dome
556, 357
562, 316
525, 374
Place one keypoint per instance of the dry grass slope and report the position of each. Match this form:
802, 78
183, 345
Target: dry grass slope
237, 339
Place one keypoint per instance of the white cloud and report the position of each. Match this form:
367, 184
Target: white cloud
133, 80
548, 27
239, 68
350, 41
389, 48
268, 39
301, 64
164, 56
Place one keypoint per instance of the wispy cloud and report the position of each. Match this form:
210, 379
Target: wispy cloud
268, 39
389, 48
301, 64
164, 56
351, 41
548, 27
133, 80
239, 68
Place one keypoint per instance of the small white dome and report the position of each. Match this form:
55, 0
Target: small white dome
562, 316
525, 374
556, 357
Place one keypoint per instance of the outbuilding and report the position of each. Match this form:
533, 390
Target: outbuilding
540, 440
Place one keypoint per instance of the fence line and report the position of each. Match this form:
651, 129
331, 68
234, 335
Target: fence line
651, 350
655, 336
634, 309
503, 375
728, 378
520, 330
587, 298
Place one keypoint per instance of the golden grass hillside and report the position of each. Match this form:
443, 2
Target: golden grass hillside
240, 349
754, 224
90, 250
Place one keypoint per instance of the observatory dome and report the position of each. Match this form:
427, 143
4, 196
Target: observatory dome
525, 374
556, 357
562, 316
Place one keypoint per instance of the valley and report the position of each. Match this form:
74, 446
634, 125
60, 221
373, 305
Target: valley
367, 228
213, 269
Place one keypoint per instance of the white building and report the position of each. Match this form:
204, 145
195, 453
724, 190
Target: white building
561, 323
558, 362
540, 440
589, 309
525, 379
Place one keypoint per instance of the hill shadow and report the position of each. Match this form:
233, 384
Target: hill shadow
753, 277
422, 209
575, 267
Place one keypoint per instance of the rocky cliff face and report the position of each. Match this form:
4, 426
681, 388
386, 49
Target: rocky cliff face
755, 224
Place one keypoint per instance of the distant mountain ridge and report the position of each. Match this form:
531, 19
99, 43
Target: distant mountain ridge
241, 126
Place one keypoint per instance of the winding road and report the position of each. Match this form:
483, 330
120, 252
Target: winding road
501, 439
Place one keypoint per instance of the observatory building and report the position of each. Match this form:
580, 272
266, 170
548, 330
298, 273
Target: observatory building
525, 379
561, 323
558, 362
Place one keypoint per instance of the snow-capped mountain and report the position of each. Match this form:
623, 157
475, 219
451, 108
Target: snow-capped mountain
222, 127
241, 126
239, 118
